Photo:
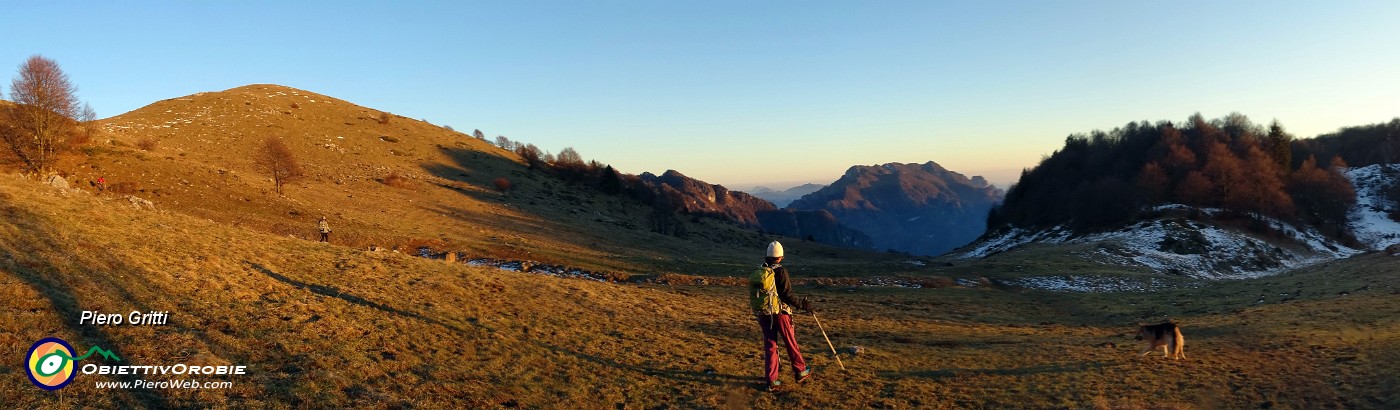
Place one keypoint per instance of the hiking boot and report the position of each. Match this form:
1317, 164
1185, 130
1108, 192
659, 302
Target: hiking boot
775, 386
801, 377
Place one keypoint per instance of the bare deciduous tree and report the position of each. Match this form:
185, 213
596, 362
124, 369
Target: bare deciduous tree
277, 160
530, 153
570, 164
44, 109
569, 157
87, 120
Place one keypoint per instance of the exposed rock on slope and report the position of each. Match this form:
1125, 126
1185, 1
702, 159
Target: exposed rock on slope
1178, 244
695, 197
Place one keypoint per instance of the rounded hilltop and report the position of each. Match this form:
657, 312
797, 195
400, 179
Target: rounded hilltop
390, 181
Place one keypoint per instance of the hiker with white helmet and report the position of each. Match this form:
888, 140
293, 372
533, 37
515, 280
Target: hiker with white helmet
770, 296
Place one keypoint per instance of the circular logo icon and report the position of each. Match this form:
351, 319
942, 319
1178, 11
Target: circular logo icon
50, 363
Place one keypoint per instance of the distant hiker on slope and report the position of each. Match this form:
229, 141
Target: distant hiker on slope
325, 228
770, 296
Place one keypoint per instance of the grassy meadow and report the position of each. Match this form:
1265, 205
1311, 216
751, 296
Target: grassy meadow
335, 326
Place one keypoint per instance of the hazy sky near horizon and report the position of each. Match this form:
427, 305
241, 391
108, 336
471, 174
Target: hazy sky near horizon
748, 93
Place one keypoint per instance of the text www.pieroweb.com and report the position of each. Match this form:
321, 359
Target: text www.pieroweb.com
179, 369
165, 384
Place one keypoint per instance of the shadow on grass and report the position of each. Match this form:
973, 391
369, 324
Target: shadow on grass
1018, 371
352, 299
711, 378
469, 165
46, 271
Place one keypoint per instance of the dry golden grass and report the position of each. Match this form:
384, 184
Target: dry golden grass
330, 326
334, 326
356, 167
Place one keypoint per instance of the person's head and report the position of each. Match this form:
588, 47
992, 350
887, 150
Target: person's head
323, 218
775, 253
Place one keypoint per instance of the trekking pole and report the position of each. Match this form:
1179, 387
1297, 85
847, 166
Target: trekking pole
828, 341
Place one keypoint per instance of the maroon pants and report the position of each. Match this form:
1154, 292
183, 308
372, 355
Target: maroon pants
775, 326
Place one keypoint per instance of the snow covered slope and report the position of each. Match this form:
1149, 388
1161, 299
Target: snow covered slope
1184, 247
1177, 245
1370, 219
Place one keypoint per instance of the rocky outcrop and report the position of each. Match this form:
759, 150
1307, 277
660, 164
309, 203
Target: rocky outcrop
695, 197
140, 204
686, 195
57, 181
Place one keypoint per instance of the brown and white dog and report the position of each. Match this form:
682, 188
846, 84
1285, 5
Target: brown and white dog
1167, 336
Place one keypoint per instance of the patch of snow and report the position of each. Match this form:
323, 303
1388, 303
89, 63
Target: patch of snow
1369, 219
1076, 283
1178, 247
1013, 238
1224, 254
547, 270
890, 282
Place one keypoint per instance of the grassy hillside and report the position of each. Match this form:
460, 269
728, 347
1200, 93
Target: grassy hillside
392, 181
333, 326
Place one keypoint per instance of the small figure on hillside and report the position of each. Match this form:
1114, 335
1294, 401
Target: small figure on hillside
772, 301
325, 228
101, 184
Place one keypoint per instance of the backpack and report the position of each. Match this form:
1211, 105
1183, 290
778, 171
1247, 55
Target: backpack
763, 292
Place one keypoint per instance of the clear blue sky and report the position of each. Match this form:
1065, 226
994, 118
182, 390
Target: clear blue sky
743, 93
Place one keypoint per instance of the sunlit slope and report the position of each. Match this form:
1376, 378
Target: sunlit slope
392, 181
329, 326
325, 325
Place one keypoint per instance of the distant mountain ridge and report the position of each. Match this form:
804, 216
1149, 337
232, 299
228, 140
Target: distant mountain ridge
785, 197
692, 196
922, 209
682, 194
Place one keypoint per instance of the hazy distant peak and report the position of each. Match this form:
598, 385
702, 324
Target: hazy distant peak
919, 208
897, 168
980, 182
784, 197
